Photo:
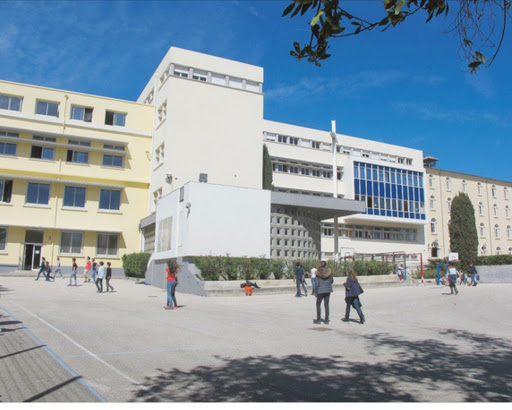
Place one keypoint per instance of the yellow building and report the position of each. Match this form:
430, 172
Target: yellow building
74, 176
491, 198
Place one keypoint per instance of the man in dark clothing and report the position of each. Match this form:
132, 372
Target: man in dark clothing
323, 290
42, 269
473, 275
299, 279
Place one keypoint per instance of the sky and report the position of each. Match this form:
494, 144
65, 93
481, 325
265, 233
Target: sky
406, 86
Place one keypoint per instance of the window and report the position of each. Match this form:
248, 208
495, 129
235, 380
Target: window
497, 231
9, 102
493, 191
432, 202
162, 111
479, 188
509, 232
181, 72
449, 204
106, 244
484, 250
433, 223
38, 193
41, 152
3, 239
482, 229
5, 190
481, 208
495, 210
80, 157
111, 160
74, 197
71, 243
507, 212
8, 148
464, 186
115, 118
110, 199
200, 75
498, 251
505, 193
47, 108
81, 113
448, 184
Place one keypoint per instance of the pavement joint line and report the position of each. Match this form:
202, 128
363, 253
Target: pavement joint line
135, 352
84, 349
58, 359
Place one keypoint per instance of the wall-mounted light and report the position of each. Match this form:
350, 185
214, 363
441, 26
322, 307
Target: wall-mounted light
168, 178
203, 177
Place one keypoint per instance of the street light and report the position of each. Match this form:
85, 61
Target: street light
335, 183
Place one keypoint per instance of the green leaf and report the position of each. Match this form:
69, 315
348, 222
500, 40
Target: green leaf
288, 9
399, 6
314, 22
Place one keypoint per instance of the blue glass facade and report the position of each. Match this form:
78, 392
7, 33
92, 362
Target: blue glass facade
390, 192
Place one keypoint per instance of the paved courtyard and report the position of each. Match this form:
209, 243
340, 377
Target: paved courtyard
65, 344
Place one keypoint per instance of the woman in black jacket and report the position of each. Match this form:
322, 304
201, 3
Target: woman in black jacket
323, 290
352, 292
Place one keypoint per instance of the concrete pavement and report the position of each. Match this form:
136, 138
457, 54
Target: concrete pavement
419, 344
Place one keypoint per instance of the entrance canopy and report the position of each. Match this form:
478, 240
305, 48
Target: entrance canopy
325, 207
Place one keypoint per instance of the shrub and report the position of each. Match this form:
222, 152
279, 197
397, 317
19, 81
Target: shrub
135, 264
278, 266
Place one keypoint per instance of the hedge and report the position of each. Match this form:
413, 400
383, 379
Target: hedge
232, 268
135, 264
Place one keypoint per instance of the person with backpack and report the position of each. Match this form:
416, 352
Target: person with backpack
323, 290
42, 269
352, 291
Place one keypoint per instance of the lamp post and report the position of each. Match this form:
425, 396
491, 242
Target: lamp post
335, 184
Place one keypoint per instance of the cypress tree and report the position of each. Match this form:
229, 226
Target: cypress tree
463, 233
267, 170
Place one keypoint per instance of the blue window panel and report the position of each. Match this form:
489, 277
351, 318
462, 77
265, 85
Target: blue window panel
411, 193
375, 188
47, 153
400, 192
32, 193
382, 190
382, 213
363, 188
422, 195
375, 177
362, 173
357, 186
388, 213
400, 214
423, 216
388, 191
369, 211
369, 190
406, 214
421, 180
393, 191
418, 216
405, 193
393, 176
356, 171
395, 214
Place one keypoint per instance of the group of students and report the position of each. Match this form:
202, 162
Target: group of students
322, 281
46, 270
99, 272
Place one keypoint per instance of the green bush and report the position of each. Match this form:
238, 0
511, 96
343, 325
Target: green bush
278, 267
135, 264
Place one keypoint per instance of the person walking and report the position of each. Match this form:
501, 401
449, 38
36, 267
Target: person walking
172, 281
48, 270
108, 276
313, 277
74, 268
42, 269
474, 274
101, 275
58, 270
352, 291
323, 290
88, 267
299, 280
94, 271
452, 279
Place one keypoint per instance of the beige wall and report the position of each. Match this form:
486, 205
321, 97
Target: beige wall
441, 192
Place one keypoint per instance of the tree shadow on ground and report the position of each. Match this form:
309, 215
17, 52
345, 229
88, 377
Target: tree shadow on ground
417, 371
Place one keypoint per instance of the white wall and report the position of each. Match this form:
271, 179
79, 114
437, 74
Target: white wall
219, 220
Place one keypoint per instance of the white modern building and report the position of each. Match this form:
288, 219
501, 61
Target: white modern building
209, 130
